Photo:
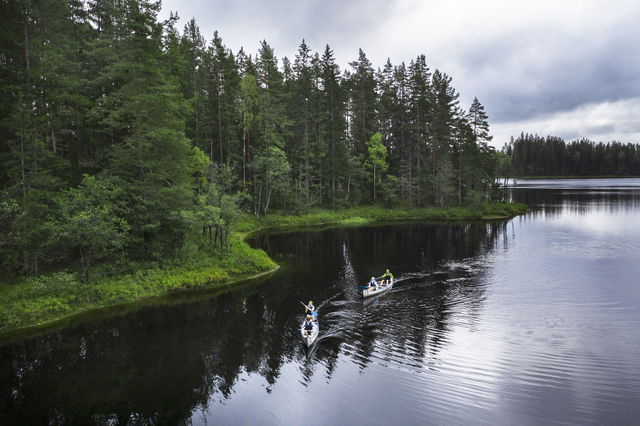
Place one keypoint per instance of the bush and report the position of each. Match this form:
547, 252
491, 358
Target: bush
43, 308
57, 283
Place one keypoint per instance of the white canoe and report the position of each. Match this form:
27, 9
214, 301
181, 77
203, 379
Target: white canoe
314, 333
372, 292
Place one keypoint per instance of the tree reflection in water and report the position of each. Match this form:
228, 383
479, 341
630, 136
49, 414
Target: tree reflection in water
161, 364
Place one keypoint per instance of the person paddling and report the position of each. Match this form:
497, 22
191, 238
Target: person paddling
308, 326
373, 283
310, 309
386, 278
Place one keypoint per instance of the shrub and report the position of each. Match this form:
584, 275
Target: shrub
57, 283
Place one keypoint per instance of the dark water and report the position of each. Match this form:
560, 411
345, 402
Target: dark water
529, 321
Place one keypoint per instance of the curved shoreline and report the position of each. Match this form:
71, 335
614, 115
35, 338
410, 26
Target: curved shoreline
191, 281
118, 309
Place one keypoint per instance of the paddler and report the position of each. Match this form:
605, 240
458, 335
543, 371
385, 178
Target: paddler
310, 309
386, 278
373, 284
308, 326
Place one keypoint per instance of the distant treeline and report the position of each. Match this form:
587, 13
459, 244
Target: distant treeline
121, 137
533, 155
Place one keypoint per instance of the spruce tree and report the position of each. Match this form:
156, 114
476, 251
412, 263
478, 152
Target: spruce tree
478, 119
152, 159
332, 122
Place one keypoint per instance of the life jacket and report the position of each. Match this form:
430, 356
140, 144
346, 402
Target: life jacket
308, 325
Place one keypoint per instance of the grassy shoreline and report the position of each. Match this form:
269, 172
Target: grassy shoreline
45, 301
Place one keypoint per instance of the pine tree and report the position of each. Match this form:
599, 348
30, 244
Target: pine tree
401, 129
300, 100
332, 121
362, 99
269, 163
190, 63
445, 116
479, 122
152, 158
421, 107
223, 85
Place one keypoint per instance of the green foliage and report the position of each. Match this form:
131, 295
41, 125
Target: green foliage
272, 170
371, 213
51, 285
355, 221
534, 156
90, 221
377, 153
50, 297
474, 200
443, 183
391, 189
377, 159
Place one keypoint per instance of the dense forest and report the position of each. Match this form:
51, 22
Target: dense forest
121, 137
533, 155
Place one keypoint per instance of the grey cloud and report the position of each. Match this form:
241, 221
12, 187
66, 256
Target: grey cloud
514, 87
523, 68
601, 122
285, 23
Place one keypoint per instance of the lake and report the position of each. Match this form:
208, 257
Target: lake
534, 320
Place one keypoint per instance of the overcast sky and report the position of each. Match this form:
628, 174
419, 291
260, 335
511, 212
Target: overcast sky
562, 68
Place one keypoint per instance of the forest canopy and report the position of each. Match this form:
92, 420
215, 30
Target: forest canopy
121, 136
533, 155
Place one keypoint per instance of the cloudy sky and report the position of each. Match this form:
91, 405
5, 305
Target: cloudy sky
564, 68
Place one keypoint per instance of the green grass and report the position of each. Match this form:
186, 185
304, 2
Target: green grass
363, 215
354, 221
44, 299
40, 300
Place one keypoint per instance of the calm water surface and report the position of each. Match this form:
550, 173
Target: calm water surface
530, 321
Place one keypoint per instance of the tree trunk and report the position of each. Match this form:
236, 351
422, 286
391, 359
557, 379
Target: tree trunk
219, 122
460, 177
267, 201
411, 178
244, 149
374, 182
333, 162
348, 188
306, 161
84, 263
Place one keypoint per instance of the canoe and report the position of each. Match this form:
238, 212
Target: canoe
314, 333
367, 292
